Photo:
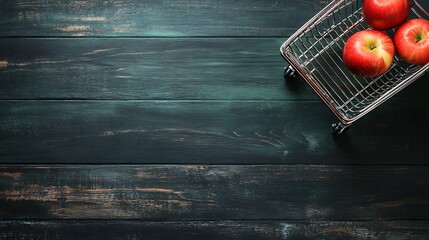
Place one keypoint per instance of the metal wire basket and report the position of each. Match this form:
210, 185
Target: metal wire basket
315, 52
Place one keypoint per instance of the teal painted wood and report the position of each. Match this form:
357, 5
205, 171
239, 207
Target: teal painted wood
214, 230
202, 192
209, 132
218, 99
220, 68
154, 18
143, 69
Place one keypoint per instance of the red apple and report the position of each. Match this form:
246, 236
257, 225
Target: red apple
368, 53
412, 41
385, 14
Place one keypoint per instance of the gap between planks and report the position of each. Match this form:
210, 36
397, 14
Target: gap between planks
145, 37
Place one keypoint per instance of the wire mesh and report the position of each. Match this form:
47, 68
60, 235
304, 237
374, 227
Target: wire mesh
315, 51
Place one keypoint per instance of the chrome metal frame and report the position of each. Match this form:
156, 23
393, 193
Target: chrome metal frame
315, 52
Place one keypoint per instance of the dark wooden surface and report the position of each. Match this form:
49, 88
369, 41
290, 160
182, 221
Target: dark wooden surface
219, 192
208, 132
214, 230
171, 120
154, 18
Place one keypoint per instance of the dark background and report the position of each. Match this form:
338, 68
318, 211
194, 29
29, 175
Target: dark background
170, 119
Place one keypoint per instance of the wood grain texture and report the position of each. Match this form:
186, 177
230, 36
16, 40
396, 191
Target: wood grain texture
165, 18
209, 132
214, 230
143, 69
227, 69
191, 92
202, 192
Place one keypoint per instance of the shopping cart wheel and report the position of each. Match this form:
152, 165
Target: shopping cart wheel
338, 128
289, 73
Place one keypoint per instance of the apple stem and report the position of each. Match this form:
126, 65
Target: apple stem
373, 47
419, 37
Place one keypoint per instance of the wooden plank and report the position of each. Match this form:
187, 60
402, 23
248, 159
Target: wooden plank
143, 69
154, 18
209, 132
237, 230
214, 192
244, 69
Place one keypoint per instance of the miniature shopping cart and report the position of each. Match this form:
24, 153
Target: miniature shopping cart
315, 53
